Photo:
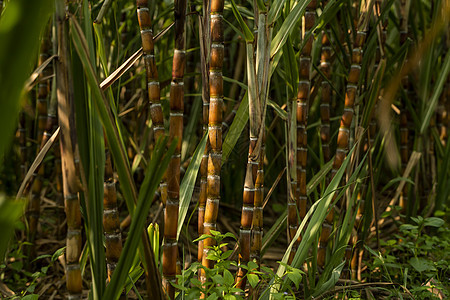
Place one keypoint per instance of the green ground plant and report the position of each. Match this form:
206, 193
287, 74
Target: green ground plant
416, 258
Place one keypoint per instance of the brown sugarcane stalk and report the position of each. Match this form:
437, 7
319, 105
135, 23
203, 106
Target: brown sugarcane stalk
52, 125
357, 235
214, 127
346, 120
153, 87
41, 107
258, 82
404, 130
442, 112
150, 66
111, 223
23, 145
444, 103
71, 186
325, 67
303, 95
205, 41
247, 214
191, 43
170, 247
250, 178
257, 218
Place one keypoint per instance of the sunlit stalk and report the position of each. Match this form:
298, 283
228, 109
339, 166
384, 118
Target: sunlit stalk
214, 127
170, 248
205, 42
153, 88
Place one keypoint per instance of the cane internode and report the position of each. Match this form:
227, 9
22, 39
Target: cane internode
215, 118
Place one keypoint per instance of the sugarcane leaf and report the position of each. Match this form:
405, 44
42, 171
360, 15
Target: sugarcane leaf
24, 19
37, 162
261, 6
248, 35
274, 231
280, 112
92, 155
231, 80
188, 183
133, 277
431, 105
236, 128
235, 29
328, 14
103, 108
275, 10
155, 170
291, 68
189, 136
343, 235
331, 282
287, 27
317, 214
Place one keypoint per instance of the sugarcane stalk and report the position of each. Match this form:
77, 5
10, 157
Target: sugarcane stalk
52, 125
41, 108
251, 172
71, 186
325, 67
252, 212
357, 235
214, 128
442, 112
111, 223
145, 25
23, 145
205, 44
346, 120
170, 247
443, 109
153, 87
303, 95
404, 130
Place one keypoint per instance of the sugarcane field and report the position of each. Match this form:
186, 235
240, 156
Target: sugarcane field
212, 149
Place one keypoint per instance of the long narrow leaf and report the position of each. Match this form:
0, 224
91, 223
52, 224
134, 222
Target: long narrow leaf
431, 105
188, 183
239, 122
103, 108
